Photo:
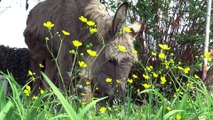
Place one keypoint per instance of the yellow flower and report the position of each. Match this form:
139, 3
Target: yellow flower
178, 117
26, 92
87, 83
65, 33
84, 103
77, 43
90, 23
196, 76
92, 53
186, 70
41, 66
28, 88
82, 64
180, 68
126, 29
130, 81
163, 80
83, 19
30, 73
134, 51
93, 30
122, 48
102, 109
48, 24
146, 77
154, 54
118, 81
41, 91
155, 75
162, 56
134, 76
146, 86
168, 109
207, 55
164, 47
35, 97
138, 90
83, 94
149, 68
109, 80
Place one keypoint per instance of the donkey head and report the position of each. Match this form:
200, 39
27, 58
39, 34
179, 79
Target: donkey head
117, 58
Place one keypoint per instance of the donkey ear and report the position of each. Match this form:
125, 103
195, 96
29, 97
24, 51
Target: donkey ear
120, 17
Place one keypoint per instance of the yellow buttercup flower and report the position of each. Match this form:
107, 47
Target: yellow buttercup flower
162, 56
163, 80
87, 83
77, 43
92, 53
196, 76
35, 97
122, 48
155, 75
118, 81
65, 33
130, 81
41, 91
30, 73
82, 64
109, 80
93, 30
126, 29
146, 76
90, 23
48, 24
178, 117
164, 47
146, 86
83, 19
102, 109
168, 109
134, 76
186, 70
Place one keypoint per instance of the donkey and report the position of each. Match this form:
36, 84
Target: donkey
110, 62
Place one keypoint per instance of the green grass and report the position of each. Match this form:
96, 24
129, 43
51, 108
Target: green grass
53, 105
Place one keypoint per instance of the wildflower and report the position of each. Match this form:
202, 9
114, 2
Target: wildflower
65, 33
130, 81
109, 108
90, 23
126, 29
102, 109
109, 80
41, 91
155, 75
92, 53
83, 94
148, 68
122, 48
196, 76
96, 88
48, 24
162, 56
41, 66
84, 103
83, 19
178, 117
163, 80
154, 54
27, 90
207, 55
168, 109
134, 76
72, 51
186, 70
82, 64
35, 97
164, 47
118, 81
180, 68
146, 86
146, 77
134, 51
93, 30
30, 73
77, 43
87, 83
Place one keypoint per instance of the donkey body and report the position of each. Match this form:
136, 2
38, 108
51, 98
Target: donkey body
110, 63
